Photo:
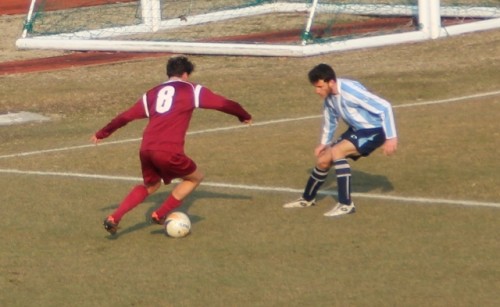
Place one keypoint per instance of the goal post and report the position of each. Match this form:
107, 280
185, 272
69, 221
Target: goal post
249, 27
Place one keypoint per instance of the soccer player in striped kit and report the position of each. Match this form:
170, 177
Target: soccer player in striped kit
168, 108
371, 125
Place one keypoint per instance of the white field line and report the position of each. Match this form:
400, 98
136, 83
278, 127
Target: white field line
260, 188
432, 201
107, 143
265, 123
456, 99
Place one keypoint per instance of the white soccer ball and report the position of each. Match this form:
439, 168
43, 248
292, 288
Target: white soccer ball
177, 225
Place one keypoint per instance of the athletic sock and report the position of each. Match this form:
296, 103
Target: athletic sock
168, 205
136, 196
343, 172
315, 181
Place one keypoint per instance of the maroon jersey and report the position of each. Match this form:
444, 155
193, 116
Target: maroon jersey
169, 107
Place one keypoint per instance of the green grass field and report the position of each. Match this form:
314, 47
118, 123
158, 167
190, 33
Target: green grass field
425, 232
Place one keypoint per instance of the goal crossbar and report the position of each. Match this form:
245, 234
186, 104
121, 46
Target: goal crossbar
429, 15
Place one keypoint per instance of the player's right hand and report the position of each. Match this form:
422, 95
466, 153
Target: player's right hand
320, 150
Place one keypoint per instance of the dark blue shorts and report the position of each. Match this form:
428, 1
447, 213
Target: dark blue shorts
365, 140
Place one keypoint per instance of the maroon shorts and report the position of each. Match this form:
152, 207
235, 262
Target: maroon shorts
164, 165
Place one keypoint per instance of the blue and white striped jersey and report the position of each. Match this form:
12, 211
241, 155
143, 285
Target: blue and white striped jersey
359, 109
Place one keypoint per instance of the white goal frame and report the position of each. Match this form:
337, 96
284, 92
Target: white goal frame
429, 14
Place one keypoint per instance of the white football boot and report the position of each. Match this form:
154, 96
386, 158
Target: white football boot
300, 203
341, 209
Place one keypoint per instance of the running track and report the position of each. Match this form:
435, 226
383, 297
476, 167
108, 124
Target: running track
76, 59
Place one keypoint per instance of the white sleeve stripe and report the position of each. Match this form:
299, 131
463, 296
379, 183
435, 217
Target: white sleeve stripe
197, 91
329, 126
392, 133
145, 103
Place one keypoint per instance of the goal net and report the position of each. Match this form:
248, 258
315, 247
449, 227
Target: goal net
248, 27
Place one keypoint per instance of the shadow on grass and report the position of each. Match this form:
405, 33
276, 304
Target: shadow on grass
361, 183
158, 198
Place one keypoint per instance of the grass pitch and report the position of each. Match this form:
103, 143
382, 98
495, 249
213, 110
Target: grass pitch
245, 249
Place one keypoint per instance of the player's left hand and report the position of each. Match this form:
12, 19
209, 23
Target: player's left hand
390, 146
95, 140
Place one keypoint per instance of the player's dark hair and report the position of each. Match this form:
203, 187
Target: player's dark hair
177, 66
322, 72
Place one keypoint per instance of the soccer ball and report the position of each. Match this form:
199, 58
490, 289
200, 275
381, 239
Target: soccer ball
177, 225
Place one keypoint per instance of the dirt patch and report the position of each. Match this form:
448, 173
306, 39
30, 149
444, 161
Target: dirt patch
20, 118
71, 60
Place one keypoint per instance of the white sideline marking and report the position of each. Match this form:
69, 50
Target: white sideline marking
264, 188
253, 187
456, 99
270, 122
107, 143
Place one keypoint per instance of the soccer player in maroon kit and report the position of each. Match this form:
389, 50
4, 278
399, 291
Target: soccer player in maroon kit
169, 108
